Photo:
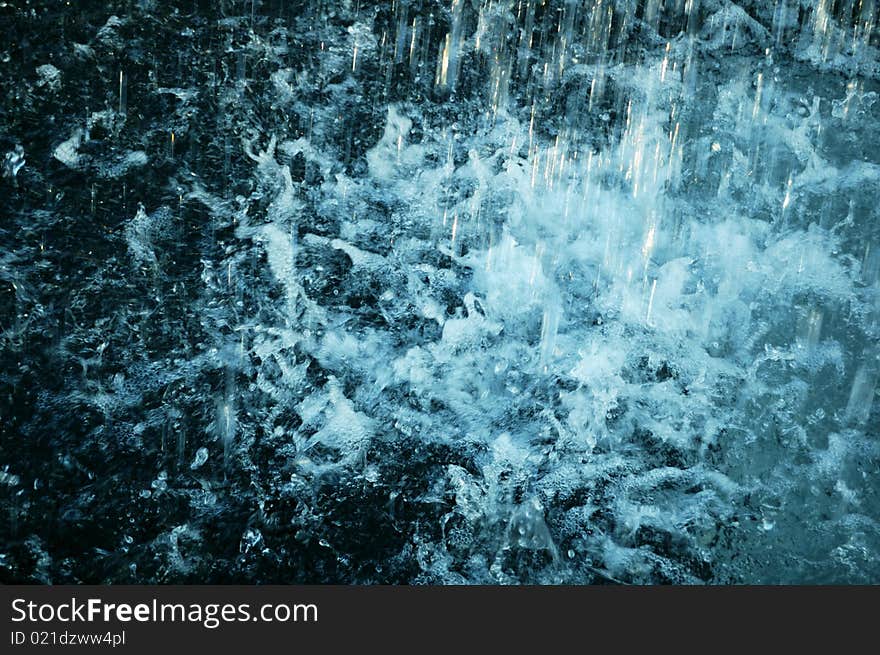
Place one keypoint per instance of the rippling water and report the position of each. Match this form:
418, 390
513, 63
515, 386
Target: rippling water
440, 291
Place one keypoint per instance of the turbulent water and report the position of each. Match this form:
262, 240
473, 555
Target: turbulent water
440, 291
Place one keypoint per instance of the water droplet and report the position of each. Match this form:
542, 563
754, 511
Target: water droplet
200, 458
